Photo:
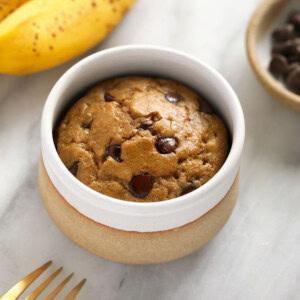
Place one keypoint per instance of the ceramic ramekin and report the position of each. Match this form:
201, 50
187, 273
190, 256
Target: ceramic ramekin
130, 232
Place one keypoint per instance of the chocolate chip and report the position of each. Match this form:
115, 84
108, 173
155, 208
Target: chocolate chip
278, 64
74, 168
284, 33
166, 145
146, 123
115, 152
293, 58
173, 97
292, 67
86, 125
287, 48
108, 97
294, 18
141, 185
284, 48
293, 79
296, 40
187, 190
286, 52
295, 49
204, 107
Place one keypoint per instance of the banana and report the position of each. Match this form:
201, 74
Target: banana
8, 6
44, 33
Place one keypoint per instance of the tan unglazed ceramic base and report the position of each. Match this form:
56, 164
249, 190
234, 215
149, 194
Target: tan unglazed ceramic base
134, 247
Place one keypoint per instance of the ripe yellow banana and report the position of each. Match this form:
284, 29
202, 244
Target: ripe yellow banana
43, 33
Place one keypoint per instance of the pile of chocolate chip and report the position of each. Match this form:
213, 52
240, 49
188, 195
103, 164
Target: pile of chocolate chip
285, 62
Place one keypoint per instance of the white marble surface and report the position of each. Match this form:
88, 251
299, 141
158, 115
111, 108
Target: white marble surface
256, 256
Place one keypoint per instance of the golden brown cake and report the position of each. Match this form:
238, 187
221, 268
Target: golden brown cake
142, 139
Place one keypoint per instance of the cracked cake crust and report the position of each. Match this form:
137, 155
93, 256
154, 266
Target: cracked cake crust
154, 135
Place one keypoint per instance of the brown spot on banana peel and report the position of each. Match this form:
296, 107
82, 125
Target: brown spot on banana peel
124, 11
109, 27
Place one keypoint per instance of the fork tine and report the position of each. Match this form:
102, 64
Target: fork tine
59, 288
17, 290
43, 285
75, 291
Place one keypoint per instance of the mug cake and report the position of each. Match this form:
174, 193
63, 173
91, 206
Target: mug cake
140, 169
142, 139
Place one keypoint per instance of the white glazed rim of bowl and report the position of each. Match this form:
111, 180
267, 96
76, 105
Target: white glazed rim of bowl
140, 216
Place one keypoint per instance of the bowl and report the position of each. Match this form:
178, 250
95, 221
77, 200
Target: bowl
133, 232
269, 15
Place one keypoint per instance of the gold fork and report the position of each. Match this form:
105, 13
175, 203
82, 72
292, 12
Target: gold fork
16, 291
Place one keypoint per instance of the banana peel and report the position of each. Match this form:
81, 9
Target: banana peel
40, 34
